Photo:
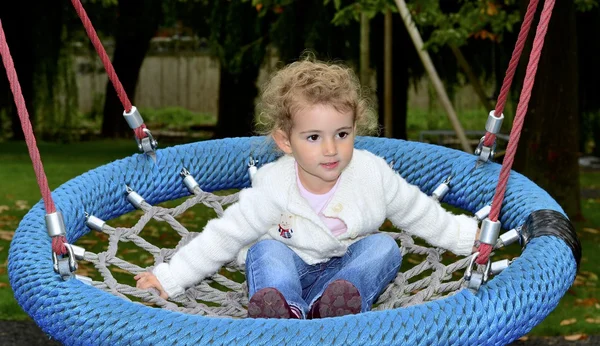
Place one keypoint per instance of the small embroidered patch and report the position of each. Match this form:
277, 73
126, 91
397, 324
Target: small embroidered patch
285, 233
285, 226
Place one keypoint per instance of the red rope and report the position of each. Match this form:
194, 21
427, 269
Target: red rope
110, 70
512, 66
534, 58
34, 152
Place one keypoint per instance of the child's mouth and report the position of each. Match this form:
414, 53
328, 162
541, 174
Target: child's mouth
330, 165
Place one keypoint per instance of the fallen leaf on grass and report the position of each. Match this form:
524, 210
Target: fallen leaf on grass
21, 205
588, 230
586, 302
2, 270
524, 338
568, 322
4, 208
3, 284
6, 235
593, 320
575, 337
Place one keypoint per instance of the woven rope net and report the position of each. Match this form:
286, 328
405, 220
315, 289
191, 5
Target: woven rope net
221, 296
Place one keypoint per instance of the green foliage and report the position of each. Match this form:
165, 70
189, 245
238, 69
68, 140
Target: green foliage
586, 5
237, 35
175, 118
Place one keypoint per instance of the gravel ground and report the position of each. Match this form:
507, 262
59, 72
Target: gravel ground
19, 333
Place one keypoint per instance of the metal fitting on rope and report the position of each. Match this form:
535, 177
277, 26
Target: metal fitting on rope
134, 198
188, 180
66, 265
55, 224
485, 153
86, 280
147, 144
483, 212
252, 167
489, 232
94, 223
508, 237
133, 118
441, 191
493, 123
498, 266
475, 280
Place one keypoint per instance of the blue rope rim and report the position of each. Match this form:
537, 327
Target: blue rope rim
504, 309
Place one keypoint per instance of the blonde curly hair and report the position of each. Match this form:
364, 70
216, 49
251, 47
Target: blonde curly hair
311, 82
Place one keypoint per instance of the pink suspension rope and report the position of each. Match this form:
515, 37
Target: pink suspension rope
512, 66
110, 70
34, 153
534, 58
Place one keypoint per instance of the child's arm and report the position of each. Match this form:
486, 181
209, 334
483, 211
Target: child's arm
413, 211
219, 243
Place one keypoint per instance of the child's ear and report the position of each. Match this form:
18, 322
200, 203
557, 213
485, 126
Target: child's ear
282, 141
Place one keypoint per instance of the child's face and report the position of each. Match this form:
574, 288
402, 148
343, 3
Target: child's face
322, 142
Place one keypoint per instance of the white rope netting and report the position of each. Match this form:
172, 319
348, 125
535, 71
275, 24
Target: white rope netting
219, 295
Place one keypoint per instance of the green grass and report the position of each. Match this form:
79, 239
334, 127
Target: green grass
18, 192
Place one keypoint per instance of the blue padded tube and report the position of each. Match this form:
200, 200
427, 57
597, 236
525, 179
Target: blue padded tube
504, 309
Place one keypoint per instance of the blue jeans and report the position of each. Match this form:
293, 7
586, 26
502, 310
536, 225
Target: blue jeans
369, 264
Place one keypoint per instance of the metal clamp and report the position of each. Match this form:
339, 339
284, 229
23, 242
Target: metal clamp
133, 118
94, 223
485, 153
147, 144
508, 237
441, 191
494, 123
59, 264
188, 180
483, 212
252, 167
489, 231
134, 198
498, 266
475, 280
55, 224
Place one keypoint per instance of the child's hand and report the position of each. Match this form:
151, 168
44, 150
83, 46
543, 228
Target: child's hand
148, 280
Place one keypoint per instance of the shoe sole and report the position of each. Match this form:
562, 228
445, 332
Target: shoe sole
340, 298
268, 303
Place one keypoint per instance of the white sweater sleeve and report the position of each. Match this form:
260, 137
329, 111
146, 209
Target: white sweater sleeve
219, 242
412, 210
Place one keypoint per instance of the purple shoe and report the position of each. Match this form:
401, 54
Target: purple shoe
339, 298
269, 303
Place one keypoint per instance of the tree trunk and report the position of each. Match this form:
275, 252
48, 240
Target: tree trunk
240, 39
401, 51
588, 29
19, 33
548, 148
236, 103
137, 23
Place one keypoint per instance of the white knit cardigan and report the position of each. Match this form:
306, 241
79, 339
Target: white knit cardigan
369, 191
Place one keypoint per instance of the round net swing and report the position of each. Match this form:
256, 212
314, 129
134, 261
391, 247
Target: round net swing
437, 309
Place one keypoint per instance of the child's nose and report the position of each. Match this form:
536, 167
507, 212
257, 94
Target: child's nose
329, 148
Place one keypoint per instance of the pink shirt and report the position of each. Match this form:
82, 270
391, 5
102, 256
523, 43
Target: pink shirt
319, 202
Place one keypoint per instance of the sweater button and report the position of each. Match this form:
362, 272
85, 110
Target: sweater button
338, 208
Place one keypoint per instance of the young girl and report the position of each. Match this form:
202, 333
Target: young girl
311, 218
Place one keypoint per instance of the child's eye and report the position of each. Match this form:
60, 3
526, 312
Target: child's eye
343, 134
312, 138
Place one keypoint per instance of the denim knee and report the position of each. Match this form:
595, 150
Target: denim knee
267, 245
